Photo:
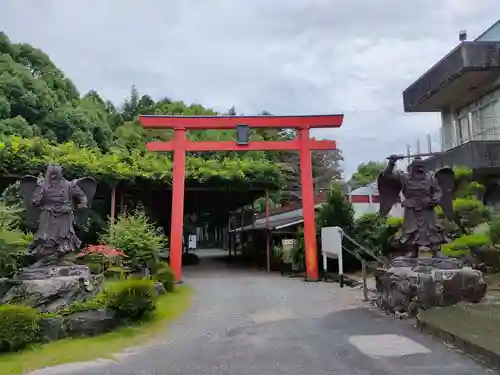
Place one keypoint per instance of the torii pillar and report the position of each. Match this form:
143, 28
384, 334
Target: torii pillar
181, 144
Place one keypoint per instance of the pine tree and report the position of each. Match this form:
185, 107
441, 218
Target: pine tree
337, 210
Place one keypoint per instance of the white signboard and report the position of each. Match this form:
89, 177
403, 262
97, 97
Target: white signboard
192, 241
331, 241
331, 246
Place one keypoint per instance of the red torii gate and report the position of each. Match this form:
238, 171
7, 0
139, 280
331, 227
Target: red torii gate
180, 145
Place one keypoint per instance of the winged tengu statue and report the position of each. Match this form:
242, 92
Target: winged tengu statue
52, 202
422, 193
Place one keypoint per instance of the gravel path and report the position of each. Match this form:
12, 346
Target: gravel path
250, 323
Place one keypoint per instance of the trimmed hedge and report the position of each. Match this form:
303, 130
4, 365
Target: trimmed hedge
19, 156
131, 299
165, 276
18, 327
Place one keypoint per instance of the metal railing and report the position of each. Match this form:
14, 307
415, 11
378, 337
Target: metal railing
360, 252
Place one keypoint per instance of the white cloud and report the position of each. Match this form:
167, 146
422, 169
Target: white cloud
287, 57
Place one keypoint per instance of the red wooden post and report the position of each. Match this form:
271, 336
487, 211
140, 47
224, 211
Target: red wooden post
268, 234
306, 180
180, 145
176, 225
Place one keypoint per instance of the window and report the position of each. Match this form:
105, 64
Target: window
463, 130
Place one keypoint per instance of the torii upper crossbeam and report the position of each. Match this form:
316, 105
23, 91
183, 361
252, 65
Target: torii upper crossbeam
180, 145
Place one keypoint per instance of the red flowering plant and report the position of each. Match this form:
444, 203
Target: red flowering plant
103, 256
104, 250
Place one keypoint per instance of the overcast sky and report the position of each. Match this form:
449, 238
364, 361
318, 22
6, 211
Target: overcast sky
285, 56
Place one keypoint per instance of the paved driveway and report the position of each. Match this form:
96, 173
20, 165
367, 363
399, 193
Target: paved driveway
250, 323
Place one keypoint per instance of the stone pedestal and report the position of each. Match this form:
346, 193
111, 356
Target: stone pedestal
409, 284
48, 272
53, 287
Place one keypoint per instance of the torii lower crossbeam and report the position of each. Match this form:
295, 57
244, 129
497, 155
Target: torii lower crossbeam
180, 145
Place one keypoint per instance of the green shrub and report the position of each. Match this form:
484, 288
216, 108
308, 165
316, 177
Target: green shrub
138, 238
82, 306
369, 228
466, 187
375, 233
18, 327
13, 241
165, 276
465, 245
131, 299
471, 212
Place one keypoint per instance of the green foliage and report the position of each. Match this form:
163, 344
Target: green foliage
21, 156
336, 210
464, 245
43, 119
18, 327
131, 299
165, 276
366, 173
468, 208
298, 253
369, 229
13, 241
375, 233
466, 187
83, 306
138, 238
471, 212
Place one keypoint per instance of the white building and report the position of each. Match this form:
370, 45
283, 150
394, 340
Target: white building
366, 199
464, 87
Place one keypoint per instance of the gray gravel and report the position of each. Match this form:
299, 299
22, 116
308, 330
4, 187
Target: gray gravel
251, 323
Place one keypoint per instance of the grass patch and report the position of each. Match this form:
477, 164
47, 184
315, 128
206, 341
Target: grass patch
169, 307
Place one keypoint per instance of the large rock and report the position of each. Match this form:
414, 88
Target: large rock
90, 323
412, 283
160, 289
52, 288
52, 329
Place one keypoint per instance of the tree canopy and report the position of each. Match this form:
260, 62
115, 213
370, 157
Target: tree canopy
44, 118
366, 173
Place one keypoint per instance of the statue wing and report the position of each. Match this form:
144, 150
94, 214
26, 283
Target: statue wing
445, 178
27, 189
88, 186
389, 188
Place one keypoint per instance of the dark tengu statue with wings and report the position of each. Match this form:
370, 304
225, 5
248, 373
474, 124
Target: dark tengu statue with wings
52, 202
422, 193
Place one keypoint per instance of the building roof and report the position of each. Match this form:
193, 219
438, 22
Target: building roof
370, 189
490, 34
278, 221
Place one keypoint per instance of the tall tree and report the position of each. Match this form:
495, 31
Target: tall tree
231, 111
366, 173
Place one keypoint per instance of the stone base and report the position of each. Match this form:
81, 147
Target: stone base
55, 287
40, 273
410, 284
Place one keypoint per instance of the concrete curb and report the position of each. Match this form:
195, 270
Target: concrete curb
481, 353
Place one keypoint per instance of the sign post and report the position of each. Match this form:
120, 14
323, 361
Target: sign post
331, 247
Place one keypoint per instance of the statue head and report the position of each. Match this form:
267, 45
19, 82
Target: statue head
54, 173
417, 168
